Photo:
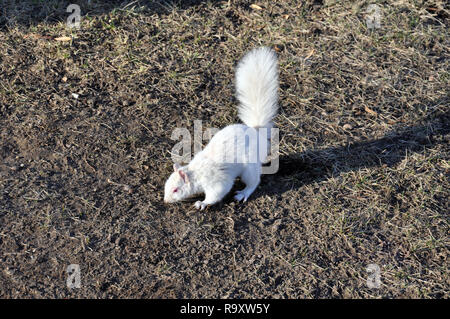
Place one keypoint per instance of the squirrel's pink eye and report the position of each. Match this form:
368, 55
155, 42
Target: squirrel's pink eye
175, 190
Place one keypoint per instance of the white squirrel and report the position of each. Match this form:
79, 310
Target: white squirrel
233, 151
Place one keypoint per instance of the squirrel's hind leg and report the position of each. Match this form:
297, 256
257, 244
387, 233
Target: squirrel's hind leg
251, 177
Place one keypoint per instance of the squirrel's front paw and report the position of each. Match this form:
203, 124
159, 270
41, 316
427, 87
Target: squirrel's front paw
241, 195
200, 205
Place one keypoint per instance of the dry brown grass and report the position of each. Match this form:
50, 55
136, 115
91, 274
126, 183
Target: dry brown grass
364, 142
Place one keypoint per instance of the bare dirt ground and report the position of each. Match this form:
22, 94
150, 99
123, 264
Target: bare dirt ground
364, 142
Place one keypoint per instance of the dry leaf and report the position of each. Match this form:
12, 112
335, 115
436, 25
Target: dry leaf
255, 7
347, 127
278, 47
63, 39
370, 111
309, 54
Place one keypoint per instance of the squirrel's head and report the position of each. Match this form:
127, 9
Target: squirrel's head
178, 186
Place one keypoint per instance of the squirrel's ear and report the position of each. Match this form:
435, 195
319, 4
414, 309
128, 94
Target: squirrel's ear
176, 166
183, 175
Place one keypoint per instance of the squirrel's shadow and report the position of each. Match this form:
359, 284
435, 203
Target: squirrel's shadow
297, 170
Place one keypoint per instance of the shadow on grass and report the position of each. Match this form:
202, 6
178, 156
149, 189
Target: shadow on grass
312, 166
318, 165
31, 12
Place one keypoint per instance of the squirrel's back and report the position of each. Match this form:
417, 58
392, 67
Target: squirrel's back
257, 87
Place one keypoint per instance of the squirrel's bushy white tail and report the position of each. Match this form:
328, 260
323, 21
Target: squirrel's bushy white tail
257, 87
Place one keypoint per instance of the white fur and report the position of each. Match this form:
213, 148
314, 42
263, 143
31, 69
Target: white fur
257, 87
233, 151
